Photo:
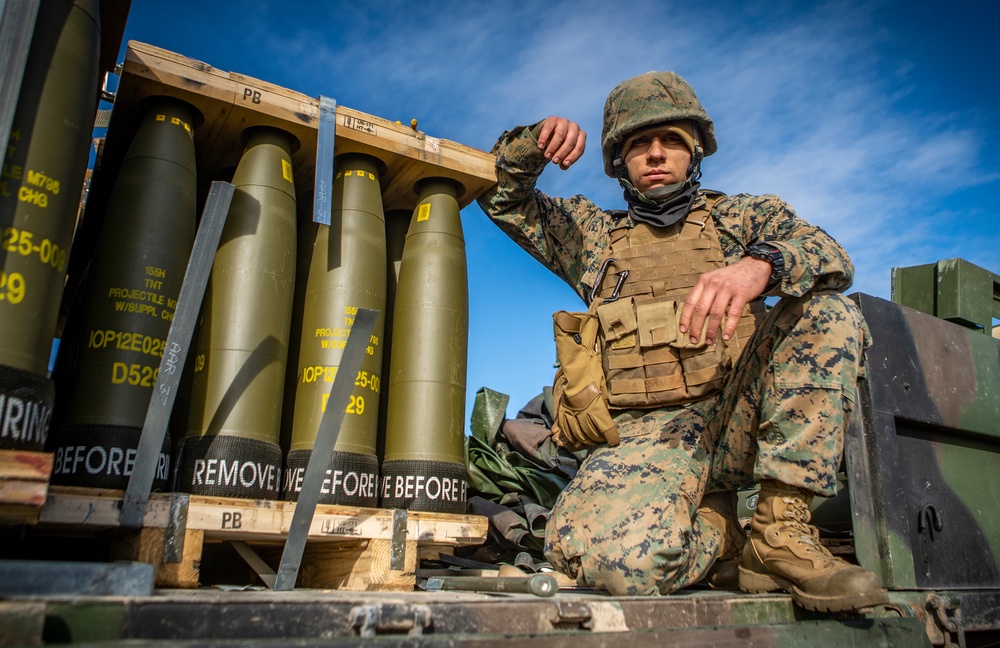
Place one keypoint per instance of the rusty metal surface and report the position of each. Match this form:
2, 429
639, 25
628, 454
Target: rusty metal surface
303, 617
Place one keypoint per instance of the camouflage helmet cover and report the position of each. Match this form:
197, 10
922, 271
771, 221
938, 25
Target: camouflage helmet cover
648, 99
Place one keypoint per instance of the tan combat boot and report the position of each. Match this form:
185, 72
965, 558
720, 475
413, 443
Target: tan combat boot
719, 510
784, 552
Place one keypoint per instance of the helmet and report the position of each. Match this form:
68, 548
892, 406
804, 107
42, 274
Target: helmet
645, 100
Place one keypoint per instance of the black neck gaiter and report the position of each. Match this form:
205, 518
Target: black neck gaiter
663, 214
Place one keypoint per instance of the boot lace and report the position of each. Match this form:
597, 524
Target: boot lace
796, 518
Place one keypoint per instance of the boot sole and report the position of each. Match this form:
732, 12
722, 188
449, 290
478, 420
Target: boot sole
757, 583
846, 603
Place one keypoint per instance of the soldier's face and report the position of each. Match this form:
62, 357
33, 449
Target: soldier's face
656, 157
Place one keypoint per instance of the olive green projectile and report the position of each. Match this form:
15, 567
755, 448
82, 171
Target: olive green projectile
135, 280
40, 187
424, 466
231, 447
347, 272
397, 222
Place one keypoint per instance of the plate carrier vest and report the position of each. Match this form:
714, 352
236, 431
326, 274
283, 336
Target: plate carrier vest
638, 298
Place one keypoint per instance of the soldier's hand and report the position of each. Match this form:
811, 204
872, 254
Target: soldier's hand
562, 141
723, 292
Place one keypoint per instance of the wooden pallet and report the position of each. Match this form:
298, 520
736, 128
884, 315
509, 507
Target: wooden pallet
24, 485
348, 547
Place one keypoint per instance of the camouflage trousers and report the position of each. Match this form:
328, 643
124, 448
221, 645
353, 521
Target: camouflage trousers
626, 523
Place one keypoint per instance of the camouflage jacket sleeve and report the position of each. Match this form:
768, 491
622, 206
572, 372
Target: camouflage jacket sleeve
813, 260
567, 235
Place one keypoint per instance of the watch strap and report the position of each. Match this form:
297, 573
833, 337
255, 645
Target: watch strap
771, 254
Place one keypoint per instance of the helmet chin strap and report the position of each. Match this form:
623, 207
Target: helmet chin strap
657, 195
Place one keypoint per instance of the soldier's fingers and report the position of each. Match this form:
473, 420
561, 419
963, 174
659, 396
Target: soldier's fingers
545, 132
557, 135
579, 144
733, 317
715, 313
687, 310
567, 135
699, 310
569, 144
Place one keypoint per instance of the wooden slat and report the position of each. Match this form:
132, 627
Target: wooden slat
24, 485
96, 508
23, 465
349, 547
224, 518
146, 546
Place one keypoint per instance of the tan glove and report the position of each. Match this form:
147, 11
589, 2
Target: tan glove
582, 417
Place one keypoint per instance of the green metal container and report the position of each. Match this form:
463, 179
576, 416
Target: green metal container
952, 289
424, 464
40, 187
232, 444
347, 272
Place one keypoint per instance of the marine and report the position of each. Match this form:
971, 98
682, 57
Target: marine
682, 382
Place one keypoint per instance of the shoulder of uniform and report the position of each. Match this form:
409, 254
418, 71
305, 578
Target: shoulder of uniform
755, 198
617, 220
743, 201
709, 198
582, 209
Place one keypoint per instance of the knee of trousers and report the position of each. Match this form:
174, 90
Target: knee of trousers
625, 562
835, 314
821, 342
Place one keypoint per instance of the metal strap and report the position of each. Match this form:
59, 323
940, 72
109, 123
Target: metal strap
397, 553
322, 206
326, 438
173, 547
172, 363
17, 23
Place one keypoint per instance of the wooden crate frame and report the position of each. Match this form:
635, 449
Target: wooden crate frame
348, 547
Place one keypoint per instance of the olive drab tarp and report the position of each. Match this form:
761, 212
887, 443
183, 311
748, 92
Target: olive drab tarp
516, 472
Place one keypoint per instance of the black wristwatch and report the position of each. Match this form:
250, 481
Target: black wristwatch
771, 254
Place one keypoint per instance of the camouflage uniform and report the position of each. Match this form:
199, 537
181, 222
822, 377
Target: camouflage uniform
627, 522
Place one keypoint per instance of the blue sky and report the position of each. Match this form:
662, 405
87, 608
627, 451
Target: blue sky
876, 120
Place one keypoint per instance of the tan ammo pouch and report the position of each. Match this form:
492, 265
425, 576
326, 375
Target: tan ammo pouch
582, 417
650, 363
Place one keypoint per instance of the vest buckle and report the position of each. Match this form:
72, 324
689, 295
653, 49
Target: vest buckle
602, 275
618, 287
